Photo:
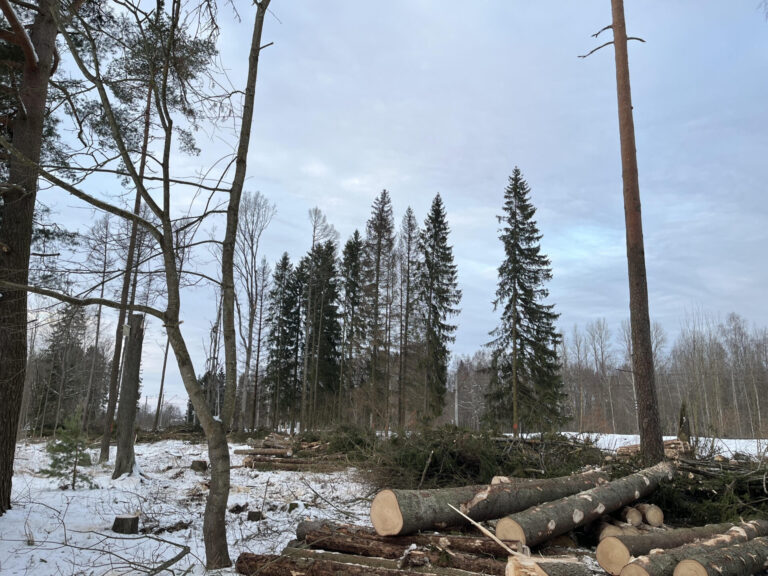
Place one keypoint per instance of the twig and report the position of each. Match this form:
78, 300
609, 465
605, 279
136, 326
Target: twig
424, 472
488, 533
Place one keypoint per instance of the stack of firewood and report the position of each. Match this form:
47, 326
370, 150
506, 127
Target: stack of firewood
527, 513
278, 452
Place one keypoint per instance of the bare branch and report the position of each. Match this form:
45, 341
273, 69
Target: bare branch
82, 301
22, 38
596, 34
635, 38
596, 49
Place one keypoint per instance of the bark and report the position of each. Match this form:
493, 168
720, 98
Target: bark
16, 213
162, 385
615, 552
322, 565
129, 397
126, 525
540, 523
739, 560
663, 564
315, 531
264, 452
395, 512
652, 448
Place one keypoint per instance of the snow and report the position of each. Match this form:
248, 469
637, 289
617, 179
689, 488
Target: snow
755, 447
55, 531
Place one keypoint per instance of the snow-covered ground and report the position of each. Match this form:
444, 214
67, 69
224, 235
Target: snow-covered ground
54, 531
726, 447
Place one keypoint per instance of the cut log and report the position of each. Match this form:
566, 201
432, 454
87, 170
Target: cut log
396, 512
316, 531
663, 563
126, 525
199, 466
615, 552
322, 565
631, 516
538, 524
652, 514
672, 449
264, 452
739, 560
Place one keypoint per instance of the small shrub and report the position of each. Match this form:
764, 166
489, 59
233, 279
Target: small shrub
69, 453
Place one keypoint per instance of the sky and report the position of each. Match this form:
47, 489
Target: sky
424, 96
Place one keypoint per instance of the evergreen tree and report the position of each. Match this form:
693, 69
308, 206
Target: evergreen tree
440, 296
525, 367
378, 247
353, 329
408, 248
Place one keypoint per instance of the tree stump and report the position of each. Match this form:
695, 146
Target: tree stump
199, 466
255, 516
126, 525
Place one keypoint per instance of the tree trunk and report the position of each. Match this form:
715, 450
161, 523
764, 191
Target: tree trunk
162, 384
397, 512
739, 560
129, 396
663, 564
615, 552
652, 449
316, 531
16, 212
541, 523
326, 565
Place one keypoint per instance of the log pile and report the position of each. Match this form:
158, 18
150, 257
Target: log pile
279, 452
631, 537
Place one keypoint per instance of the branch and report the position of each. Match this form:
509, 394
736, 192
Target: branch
596, 34
82, 301
22, 38
596, 49
635, 38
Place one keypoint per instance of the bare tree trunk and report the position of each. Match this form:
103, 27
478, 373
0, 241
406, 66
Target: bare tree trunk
162, 383
89, 390
652, 447
16, 212
126, 412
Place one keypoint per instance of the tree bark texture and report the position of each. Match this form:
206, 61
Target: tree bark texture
315, 531
652, 448
397, 512
664, 563
129, 398
321, 565
616, 551
540, 523
16, 211
739, 560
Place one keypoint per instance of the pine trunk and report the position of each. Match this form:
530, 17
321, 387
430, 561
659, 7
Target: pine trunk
129, 397
739, 560
664, 563
541, 523
397, 512
652, 448
616, 551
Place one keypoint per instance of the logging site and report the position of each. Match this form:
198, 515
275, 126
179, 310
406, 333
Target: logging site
303, 288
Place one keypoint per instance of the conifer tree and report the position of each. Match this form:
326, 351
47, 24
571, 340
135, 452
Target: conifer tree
408, 247
353, 329
525, 368
440, 296
378, 247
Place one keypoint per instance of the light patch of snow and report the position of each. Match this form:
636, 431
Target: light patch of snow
755, 447
51, 531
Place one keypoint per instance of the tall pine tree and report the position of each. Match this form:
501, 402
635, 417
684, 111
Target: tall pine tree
440, 296
353, 327
526, 377
408, 248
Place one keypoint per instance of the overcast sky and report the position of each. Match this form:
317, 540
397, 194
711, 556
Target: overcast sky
448, 96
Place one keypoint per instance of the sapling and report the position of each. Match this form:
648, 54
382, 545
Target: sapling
68, 452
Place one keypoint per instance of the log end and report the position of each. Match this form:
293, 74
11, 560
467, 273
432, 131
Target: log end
632, 516
509, 529
612, 555
634, 569
690, 567
386, 517
653, 515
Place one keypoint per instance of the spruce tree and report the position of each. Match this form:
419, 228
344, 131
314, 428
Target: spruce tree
525, 377
353, 328
408, 248
378, 247
439, 296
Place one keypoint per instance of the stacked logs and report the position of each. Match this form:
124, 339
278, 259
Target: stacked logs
277, 452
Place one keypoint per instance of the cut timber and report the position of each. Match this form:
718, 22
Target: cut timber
652, 514
616, 551
631, 516
663, 563
264, 452
738, 560
317, 531
322, 565
395, 512
126, 525
538, 524
672, 449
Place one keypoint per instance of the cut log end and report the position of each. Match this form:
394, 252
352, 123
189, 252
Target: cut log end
652, 514
634, 569
386, 517
690, 567
632, 516
509, 529
612, 555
